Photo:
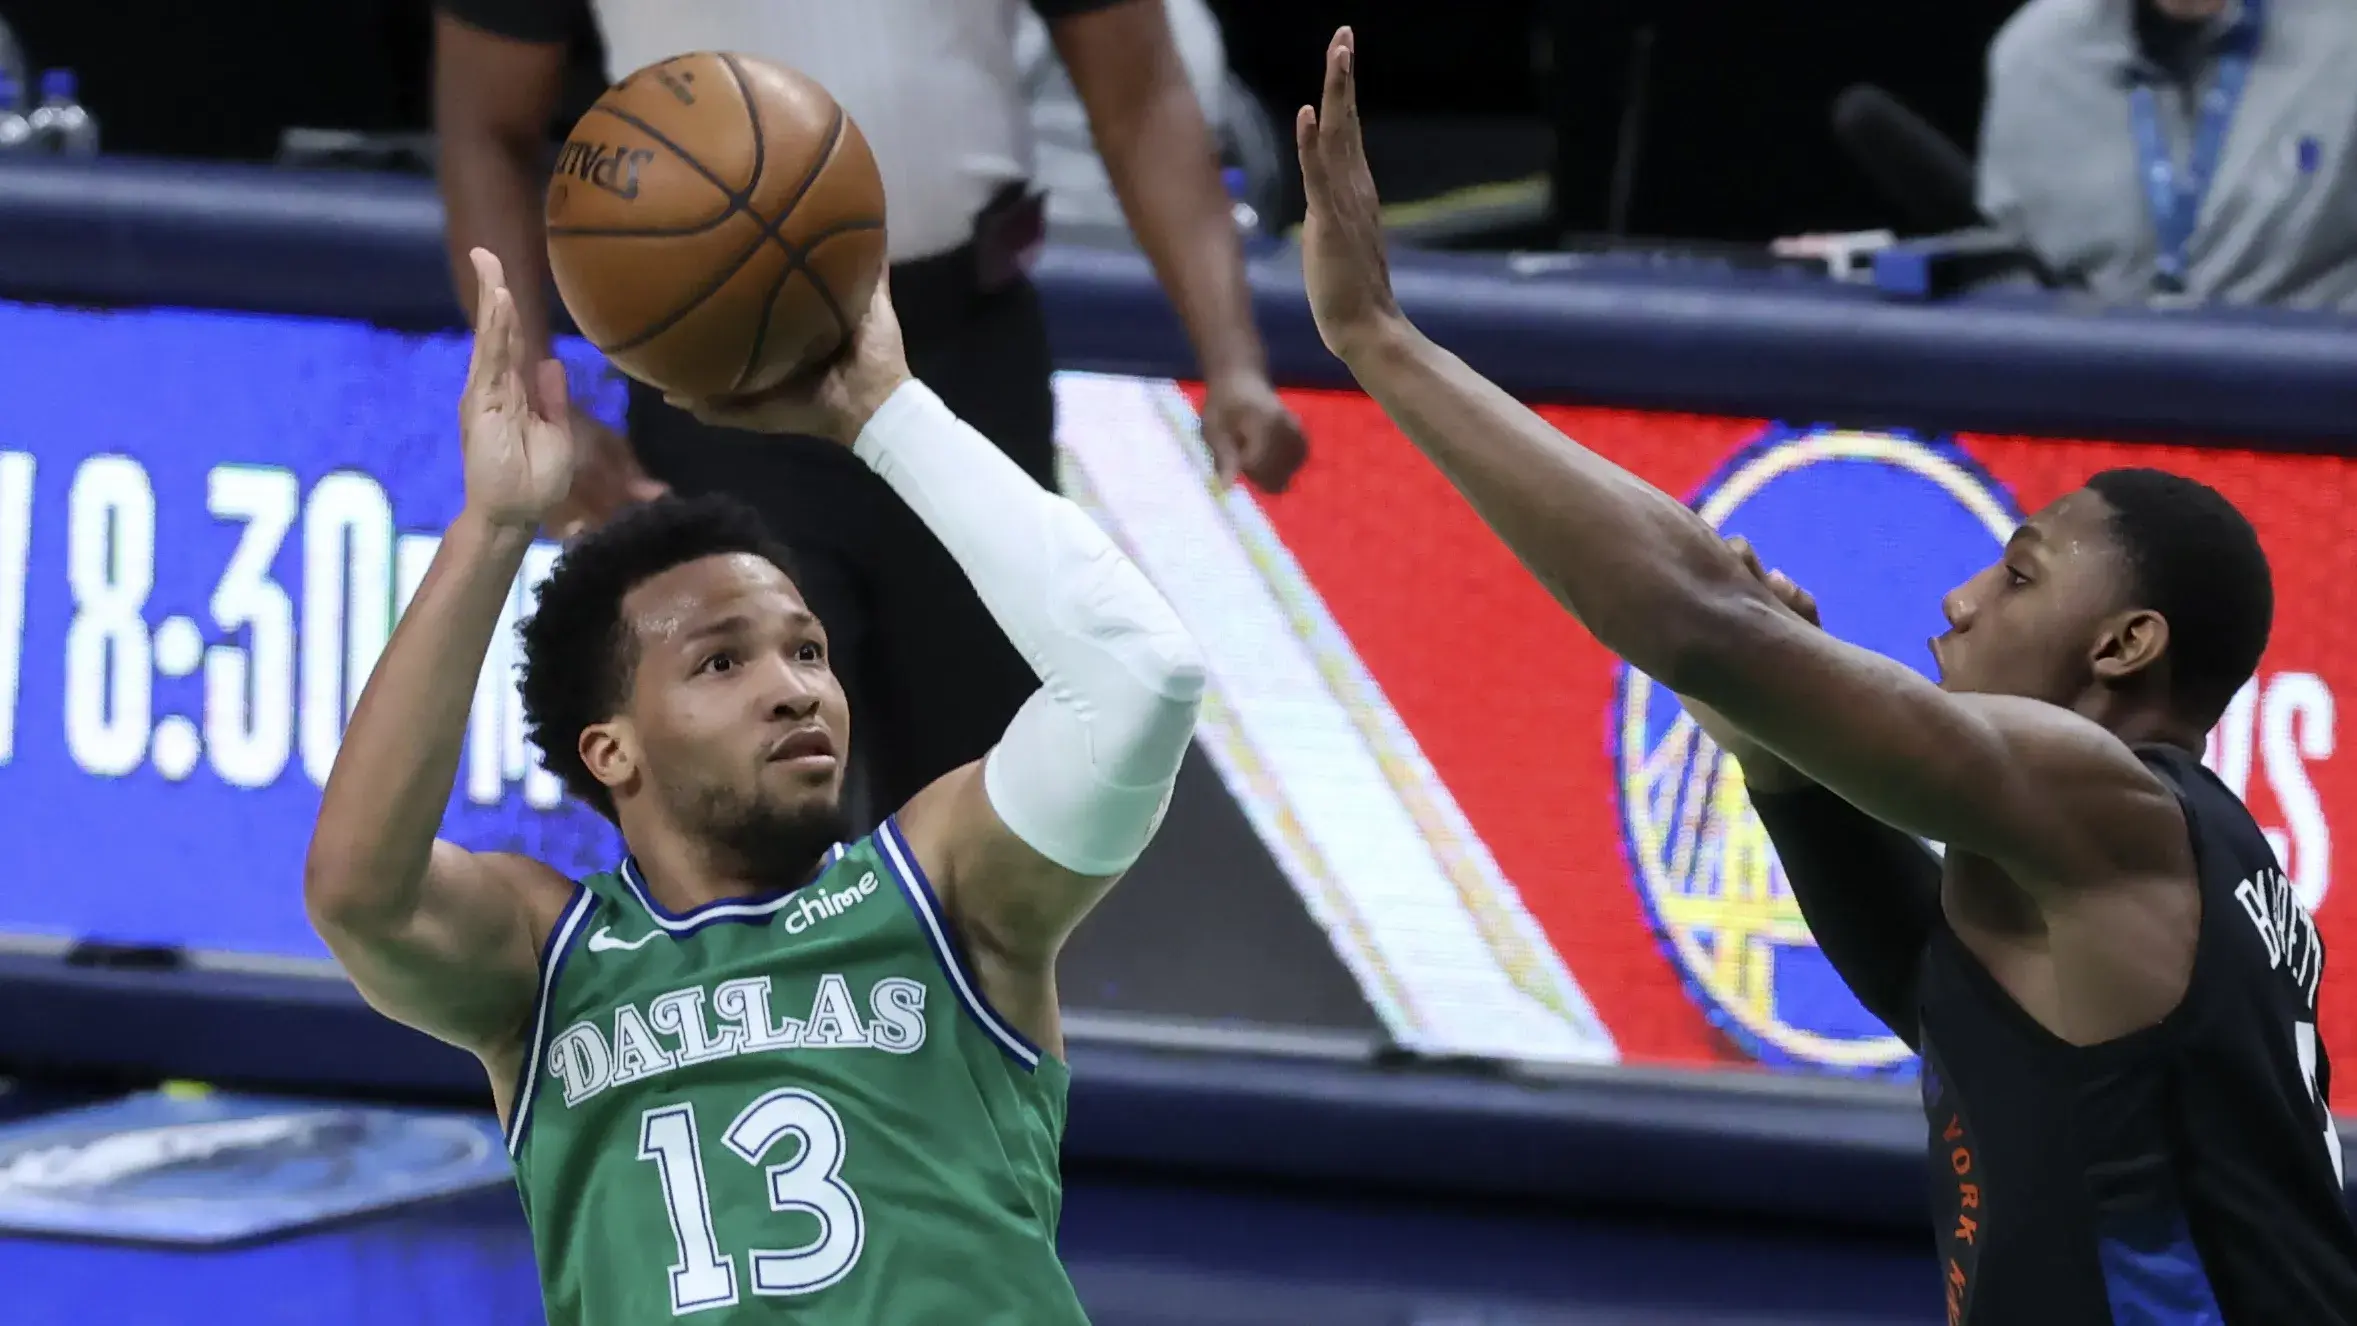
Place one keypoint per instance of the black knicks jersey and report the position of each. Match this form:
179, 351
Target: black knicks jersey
2188, 1173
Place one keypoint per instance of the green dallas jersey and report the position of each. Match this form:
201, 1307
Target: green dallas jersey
798, 1108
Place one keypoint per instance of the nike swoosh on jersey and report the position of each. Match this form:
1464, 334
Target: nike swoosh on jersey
604, 942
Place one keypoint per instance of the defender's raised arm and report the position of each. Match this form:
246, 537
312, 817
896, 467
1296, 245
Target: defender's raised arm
2042, 791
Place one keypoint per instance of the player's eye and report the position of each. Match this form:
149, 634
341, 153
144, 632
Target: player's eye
810, 651
721, 661
2014, 579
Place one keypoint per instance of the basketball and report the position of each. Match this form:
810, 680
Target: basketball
715, 224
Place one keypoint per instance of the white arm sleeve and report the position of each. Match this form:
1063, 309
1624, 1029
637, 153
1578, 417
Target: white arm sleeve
1084, 771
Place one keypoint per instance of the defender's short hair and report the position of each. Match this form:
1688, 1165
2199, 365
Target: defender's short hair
579, 654
2197, 562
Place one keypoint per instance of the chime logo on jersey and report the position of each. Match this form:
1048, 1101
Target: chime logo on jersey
1916, 519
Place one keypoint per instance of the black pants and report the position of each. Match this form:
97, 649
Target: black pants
931, 679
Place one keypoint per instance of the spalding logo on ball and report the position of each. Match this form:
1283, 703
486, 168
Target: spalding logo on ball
716, 224
1919, 517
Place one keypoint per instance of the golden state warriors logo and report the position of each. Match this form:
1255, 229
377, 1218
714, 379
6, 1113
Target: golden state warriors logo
1878, 526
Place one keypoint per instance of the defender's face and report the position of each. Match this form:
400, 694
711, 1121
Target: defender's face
2029, 624
733, 704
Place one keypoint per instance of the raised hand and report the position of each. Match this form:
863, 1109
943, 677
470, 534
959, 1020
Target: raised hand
1762, 770
1342, 258
834, 400
1801, 601
514, 423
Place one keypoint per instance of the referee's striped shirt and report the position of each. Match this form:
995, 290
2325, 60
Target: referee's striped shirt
933, 83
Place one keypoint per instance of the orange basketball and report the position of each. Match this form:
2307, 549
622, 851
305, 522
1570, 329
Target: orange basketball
716, 224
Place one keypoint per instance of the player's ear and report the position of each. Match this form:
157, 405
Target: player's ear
610, 752
2129, 643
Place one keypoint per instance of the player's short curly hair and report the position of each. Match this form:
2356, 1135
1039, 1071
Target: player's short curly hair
2194, 559
579, 654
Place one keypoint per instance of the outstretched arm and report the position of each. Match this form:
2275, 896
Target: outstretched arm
1869, 893
2048, 795
435, 936
1029, 840
1024, 842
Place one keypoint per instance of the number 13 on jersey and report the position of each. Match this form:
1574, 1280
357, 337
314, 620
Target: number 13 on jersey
808, 1183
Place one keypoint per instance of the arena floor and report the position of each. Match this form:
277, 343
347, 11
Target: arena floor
1143, 1253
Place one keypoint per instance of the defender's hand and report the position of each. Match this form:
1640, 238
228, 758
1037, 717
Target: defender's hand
1342, 258
1762, 770
834, 400
1801, 601
515, 427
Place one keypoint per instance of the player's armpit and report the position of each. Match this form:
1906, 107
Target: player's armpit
1869, 893
2047, 795
1007, 900
1029, 838
1011, 907
459, 958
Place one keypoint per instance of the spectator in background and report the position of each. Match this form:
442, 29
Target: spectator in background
934, 85
2180, 150
1070, 170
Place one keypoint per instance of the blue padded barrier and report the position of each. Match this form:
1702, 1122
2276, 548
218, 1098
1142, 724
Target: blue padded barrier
1596, 330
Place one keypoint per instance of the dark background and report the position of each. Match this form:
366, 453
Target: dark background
1734, 102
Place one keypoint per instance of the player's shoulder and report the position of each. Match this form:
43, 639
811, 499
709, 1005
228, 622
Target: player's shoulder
2101, 810
2212, 806
2048, 738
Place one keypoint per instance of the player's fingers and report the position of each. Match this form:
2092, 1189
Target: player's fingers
502, 342
1751, 557
482, 358
1313, 164
1335, 104
489, 364
488, 277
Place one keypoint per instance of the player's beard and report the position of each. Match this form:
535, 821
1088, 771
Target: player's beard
778, 844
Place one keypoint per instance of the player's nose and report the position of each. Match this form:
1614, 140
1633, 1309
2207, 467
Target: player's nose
794, 700
789, 693
1957, 606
